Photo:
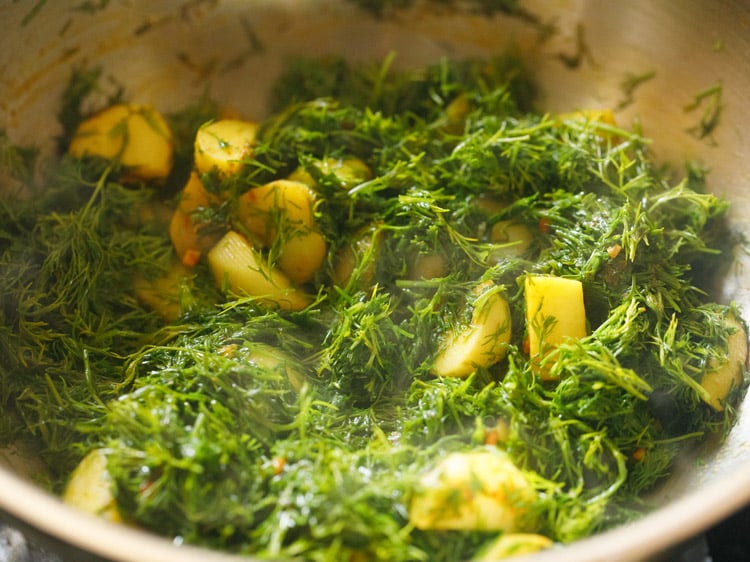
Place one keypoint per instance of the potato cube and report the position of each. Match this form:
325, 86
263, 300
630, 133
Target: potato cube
282, 212
242, 270
189, 236
598, 115
509, 545
478, 490
162, 294
482, 343
513, 239
350, 172
356, 263
90, 488
555, 312
722, 378
137, 136
224, 146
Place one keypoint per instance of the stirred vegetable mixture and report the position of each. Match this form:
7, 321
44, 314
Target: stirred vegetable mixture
404, 317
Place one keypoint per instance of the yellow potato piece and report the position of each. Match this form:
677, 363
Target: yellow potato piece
236, 266
163, 293
137, 136
265, 209
456, 112
489, 205
349, 171
481, 344
509, 545
600, 115
479, 490
357, 261
554, 312
282, 212
720, 381
513, 239
194, 195
189, 238
224, 146
606, 116
90, 488
427, 266
302, 255
267, 357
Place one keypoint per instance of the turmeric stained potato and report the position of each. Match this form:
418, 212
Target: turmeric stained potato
509, 545
163, 293
350, 172
242, 270
356, 262
483, 342
89, 487
512, 239
720, 381
136, 136
479, 490
189, 236
224, 146
554, 312
282, 213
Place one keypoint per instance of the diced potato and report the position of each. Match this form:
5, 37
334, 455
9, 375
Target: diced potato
90, 488
189, 237
601, 115
240, 269
720, 381
264, 210
456, 112
511, 238
302, 255
163, 294
137, 136
554, 312
349, 171
479, 490
267, 357
184, 235
195, 196
224, 146
281, 212
357, 261
427, 266
489, 205
509, 545
515, 239
605, 116
481, 344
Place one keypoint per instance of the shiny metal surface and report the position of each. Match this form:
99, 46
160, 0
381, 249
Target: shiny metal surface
165, 52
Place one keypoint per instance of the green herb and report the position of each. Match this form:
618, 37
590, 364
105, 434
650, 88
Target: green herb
17, 162
31, 14
91, 6
255, 46
581, 53
630, 84
711, 102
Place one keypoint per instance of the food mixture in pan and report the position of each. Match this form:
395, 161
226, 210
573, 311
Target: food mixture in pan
403, 317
